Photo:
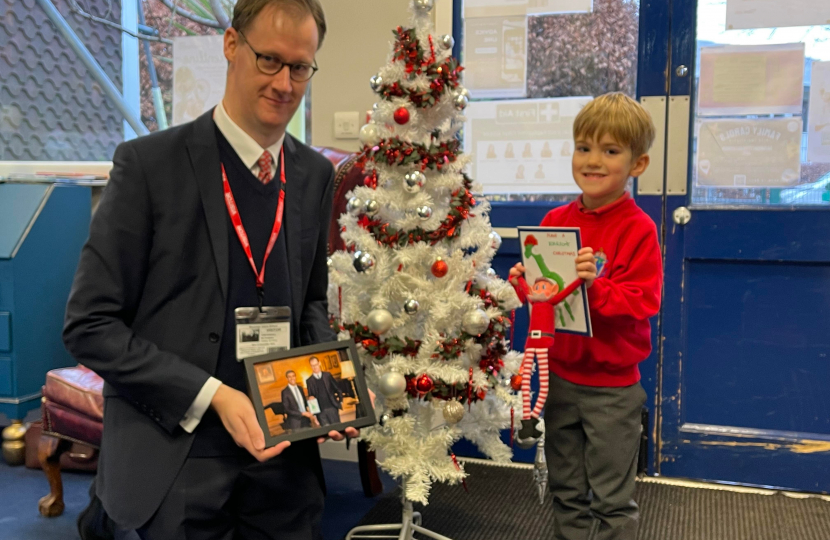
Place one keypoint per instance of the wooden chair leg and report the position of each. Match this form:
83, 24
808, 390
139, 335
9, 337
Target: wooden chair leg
49, 454
369, 475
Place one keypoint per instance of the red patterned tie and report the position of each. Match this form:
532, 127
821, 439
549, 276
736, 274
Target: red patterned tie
264, 163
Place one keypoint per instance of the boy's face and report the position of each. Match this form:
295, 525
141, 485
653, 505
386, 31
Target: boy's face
602, 168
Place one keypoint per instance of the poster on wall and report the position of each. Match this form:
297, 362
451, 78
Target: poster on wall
505, 8
522, 146
548, 254
751, 79
495, 60
745, 14
818, 124
750, 153
199, 69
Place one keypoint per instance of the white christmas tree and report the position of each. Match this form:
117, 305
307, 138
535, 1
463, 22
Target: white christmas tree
415, 289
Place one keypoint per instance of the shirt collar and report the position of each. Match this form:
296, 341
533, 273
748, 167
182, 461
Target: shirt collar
602, 209
318, 376
243, 144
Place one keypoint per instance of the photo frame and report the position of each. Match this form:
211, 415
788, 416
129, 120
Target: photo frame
327, 378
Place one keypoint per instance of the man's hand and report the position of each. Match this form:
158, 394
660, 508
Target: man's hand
238, 416
586, 265
515, 272
338, 436
308, 415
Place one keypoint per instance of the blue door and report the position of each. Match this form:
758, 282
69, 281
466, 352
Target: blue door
744, 360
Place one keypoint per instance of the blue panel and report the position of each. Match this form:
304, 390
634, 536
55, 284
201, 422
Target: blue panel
5, 376
781, 235
653, 55
6, 285
758, 349
5, 332
43, 272
18, 204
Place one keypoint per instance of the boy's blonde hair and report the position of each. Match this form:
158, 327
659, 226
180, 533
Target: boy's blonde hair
619, 116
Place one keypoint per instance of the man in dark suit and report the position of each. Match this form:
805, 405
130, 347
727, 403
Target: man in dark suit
152, 305
295, 404
321, 385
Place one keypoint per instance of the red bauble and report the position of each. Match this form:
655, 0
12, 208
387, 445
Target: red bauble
410, 387
440, 268
402, 115
425, 384
516, 382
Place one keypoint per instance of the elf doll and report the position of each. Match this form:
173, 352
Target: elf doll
545, 294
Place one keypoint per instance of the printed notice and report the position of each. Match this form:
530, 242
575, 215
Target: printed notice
748, 153
744, 14
549, 253
818, 125
522, 146
506, 8
751, 79
496, 57
199, 71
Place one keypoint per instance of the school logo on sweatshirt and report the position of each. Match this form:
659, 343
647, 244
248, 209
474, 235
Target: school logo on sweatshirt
601, 260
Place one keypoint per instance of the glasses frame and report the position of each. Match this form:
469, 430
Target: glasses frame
283, 64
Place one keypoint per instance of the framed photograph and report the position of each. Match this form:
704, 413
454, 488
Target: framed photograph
306, 392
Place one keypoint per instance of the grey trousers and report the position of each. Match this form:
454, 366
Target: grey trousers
592, 441
329, 416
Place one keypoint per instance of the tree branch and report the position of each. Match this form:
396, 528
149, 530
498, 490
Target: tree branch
219, 13
192, 16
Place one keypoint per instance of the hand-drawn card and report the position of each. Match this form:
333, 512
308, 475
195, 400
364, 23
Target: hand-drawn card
550, 253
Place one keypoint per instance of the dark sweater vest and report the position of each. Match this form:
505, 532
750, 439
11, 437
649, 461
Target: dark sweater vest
257, 205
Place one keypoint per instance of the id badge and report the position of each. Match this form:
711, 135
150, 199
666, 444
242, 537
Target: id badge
261, 332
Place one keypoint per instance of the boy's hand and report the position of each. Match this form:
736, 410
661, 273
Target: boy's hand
586, 266
515, 272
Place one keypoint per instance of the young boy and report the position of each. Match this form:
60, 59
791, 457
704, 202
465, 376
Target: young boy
592, 415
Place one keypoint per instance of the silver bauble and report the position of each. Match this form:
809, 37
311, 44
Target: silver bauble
460, 101
424, 5
363, 262
462, 91
495, 239
372, 207
447, 41
376, 82
413, 181
354, 206
384, 419
491, 273
329, 262
411, 306
379, 321
369, 134
392, 384
475, 322
424, 212
453, 411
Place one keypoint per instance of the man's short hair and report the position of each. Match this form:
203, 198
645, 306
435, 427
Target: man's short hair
313, 358
619, 116
289, 372
246, 11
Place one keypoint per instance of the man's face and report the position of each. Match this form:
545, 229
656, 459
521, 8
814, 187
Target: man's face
292, 378
545, 289
266, 103
315, 365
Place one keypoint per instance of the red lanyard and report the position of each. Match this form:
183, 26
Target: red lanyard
233, 212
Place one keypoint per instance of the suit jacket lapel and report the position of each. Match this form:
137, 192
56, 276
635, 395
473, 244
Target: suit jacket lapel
295, 178
204, 159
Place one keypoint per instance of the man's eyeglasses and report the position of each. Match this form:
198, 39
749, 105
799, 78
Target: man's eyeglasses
271, 65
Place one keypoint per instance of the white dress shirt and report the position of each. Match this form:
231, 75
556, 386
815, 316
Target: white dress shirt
249, 151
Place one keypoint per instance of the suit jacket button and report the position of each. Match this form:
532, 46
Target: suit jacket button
213, 337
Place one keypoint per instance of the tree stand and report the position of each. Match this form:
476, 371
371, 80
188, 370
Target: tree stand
405, 530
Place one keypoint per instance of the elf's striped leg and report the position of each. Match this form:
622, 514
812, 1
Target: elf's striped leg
527, 372
544, 375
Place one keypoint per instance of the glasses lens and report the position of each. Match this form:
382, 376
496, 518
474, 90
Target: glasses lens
301, 72
269, 64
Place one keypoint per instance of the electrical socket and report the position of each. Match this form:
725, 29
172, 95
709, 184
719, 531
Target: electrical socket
346, 125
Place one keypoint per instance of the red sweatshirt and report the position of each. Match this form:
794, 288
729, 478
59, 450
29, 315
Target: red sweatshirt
623, 299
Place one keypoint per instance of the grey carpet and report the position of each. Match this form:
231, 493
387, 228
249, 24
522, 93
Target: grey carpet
502, 504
